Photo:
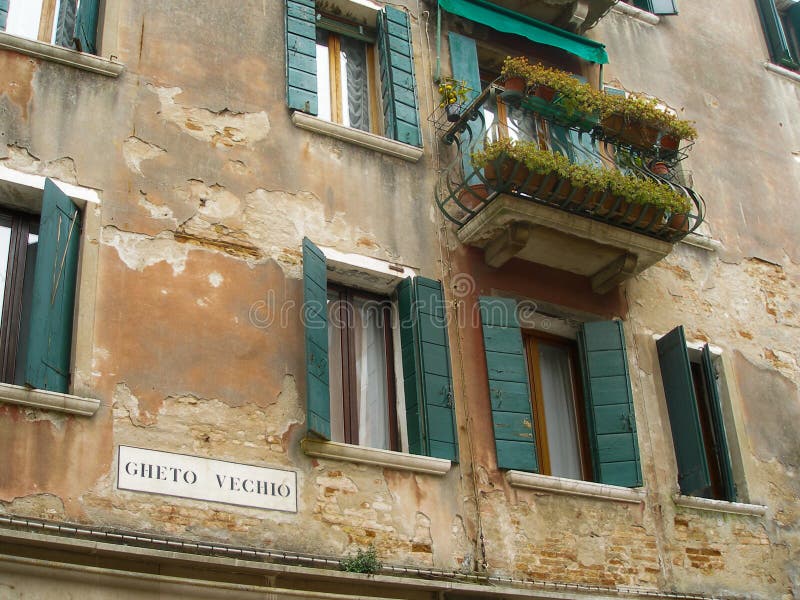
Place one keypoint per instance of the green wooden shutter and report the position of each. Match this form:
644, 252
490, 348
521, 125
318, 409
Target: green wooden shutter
609, 404
776, 37
86, 26
398, 87
3, 14
53, 302
315, 319
427, 380
676, 375
464, 64
301, 56
718, 424
509, 389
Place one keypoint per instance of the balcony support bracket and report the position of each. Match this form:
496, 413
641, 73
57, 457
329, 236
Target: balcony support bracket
507, 244
609, 277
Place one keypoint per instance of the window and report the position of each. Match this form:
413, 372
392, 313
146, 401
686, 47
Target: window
40, 258
347, 92
68, 23
781, 22
657, 7
574, 394
695, 415
361, 361
355, 71
354, 357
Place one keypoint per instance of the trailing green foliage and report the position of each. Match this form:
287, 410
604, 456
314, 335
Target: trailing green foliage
364, 561
577, 97
636, 190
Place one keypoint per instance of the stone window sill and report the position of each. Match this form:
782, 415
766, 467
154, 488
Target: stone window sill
57, 54
357, 137
782, 71
45, 400
737, 508
703, 241
636, 13
573, 487
399, 461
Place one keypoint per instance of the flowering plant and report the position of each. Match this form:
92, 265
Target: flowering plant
452, 91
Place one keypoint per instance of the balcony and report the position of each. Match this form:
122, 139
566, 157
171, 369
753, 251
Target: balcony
594, 203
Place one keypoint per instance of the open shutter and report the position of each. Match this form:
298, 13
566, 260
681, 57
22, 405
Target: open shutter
718, 424
53, 301
301, 56
609, 404
676, 375
3, 14
776, 37
427, 378
315, 319
509, 389
398, 88
464, 63
86, 26
65, 24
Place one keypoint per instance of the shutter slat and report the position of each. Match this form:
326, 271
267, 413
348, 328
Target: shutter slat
86, 26
776, 38
315, 318
509, 389
53, 299
301, 56
687, 436
718, 423
609, 404
398, 87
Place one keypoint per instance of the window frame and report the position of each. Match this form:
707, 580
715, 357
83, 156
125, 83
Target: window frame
49, 17
781, 32
345, 296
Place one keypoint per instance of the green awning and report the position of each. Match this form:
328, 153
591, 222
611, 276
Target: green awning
508, 21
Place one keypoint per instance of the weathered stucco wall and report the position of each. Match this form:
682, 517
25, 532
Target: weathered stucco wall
197, 344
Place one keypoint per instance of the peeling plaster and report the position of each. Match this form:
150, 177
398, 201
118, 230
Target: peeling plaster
215, 279
125, 404
225, 128
137, 151
21, 159
156, 211
140, 251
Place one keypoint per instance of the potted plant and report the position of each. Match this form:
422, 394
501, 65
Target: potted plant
452, 96
643, 122
515, 76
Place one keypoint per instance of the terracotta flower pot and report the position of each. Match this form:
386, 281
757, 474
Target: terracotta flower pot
473, 196
545, 92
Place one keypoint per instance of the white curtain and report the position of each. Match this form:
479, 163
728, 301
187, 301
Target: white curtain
335, 370
355, 86
559, 411
373, 413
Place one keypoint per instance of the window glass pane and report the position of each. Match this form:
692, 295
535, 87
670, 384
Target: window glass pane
323, 76
559, 410
489, 110
371, 382
23, 18
5, 244
355, 84
521, 124
27, 297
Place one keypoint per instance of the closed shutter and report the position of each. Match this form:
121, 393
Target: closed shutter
776, 37
684, 419
718, 424
509, 389
464, 63
53, 300
86, 26
3, 14
398, 87
301, 56
609, 404
315, 319
65, 24
427, 380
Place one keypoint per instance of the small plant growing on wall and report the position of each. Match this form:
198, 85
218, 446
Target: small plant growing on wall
363, 561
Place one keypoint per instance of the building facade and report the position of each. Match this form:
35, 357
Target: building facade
268, 306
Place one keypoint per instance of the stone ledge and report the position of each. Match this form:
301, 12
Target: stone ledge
737, 508
46, 400
573, 487
64, 56
636, 13
357, 137
782, 71
399, 461
702, 241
